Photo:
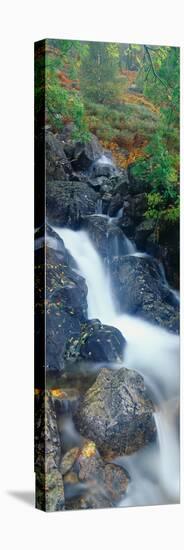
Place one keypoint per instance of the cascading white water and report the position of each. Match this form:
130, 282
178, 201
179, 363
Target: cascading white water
131, 248
100, 303
154, 352
104, 159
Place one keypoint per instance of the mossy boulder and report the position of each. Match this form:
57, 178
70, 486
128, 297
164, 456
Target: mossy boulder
117, 412
97, 343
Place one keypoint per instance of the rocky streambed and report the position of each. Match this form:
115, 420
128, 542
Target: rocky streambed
112, 322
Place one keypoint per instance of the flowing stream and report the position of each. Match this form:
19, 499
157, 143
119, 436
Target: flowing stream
154, 352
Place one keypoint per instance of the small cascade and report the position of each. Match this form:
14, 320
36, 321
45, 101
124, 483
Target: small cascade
174, 292
103, 166
104, 159
120, 213
99, 207
131, 248
100, 302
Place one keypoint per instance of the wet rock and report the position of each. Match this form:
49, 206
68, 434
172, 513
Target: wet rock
143, 231
120, 191
105, 234
69, 201
91, 482
135, 207
116, 412
140, 289
65, 302
86, 153
101, 183
68, 460
49, 481
66, 308
106, 199
57, 164
101, 343
69, 149
61, 327
46, 236
166, 241
127, 226
103, 167
96, 342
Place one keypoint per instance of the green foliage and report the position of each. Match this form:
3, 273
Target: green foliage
64, 103
157, 210
160, 167
158, 170
99, 72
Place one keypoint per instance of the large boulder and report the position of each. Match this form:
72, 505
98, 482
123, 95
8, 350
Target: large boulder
69, 201
66, 298
65, 310
116, 412
85, 154
140, 288
101, 342
96, 342
89, 481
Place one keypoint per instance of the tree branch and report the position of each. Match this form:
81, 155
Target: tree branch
156, 75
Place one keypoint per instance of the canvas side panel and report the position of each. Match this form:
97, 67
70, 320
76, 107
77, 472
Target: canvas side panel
39, 210
49, 483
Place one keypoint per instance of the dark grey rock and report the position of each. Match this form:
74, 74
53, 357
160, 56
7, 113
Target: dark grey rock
57, 164
135, 207
101, 343
86, 153
143, 231
140, 289
106, 235
69, 201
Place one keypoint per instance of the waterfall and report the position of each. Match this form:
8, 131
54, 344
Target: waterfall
100, 303
120, 213
104, 159
131, 248
154, 352
99, 206
175, 293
